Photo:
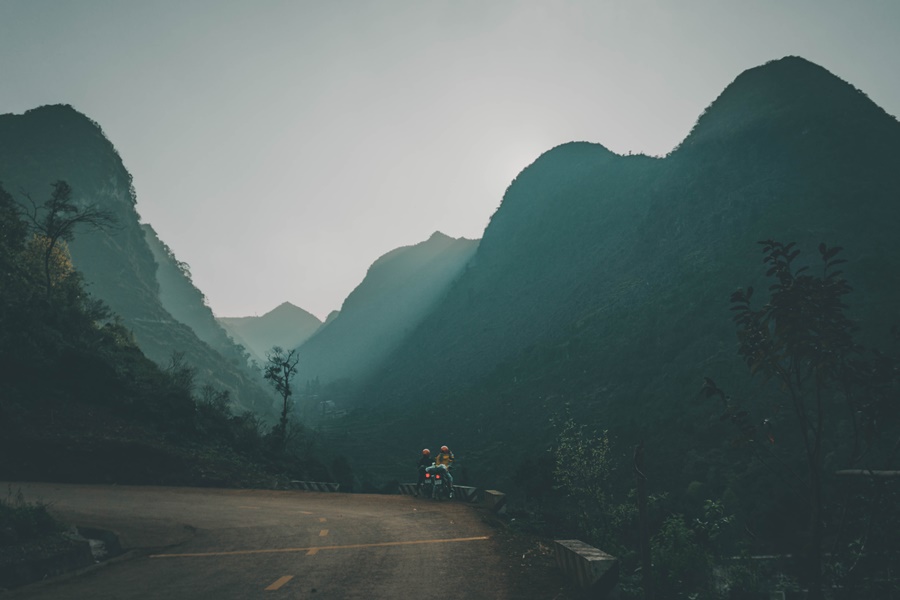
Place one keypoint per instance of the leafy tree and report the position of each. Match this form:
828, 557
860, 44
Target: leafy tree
13, 277
53, 260
12, 230
55, 221
281, 367
581, 470
803, 341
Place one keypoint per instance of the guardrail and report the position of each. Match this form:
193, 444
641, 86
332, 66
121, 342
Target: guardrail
461, 493
317, 486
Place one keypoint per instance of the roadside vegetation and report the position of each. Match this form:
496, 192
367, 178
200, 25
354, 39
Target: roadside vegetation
22, 522
812, 491
79, 401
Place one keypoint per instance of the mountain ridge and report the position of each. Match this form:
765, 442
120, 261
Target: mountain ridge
286, 325
57, 142
397, 290
603, 279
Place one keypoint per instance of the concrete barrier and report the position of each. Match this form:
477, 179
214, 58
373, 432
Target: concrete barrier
496, 501
407, 489
465, 493
316, 486
591, 569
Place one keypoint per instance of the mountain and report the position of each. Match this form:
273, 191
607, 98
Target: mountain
185, 302
286, 325
399, 289
53, 143
601, 285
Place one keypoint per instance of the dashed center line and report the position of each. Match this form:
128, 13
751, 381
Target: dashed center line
312, 552
314, 549
323, 533
279, 582
322, 519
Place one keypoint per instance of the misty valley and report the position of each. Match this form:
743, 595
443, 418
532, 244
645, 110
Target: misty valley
689, 361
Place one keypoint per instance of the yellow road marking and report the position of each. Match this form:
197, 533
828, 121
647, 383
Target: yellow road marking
312, 551
279, 582
323, 533
250, 507
322, 519
317, 548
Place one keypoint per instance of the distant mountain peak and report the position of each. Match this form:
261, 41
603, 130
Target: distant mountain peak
437, 242
286, 325
286, 306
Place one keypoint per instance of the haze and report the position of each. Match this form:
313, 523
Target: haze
280, 147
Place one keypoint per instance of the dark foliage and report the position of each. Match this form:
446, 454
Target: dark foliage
22, 521
827, 400
118, 265
79, 401
599, 281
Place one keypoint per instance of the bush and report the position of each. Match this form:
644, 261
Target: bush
21, 521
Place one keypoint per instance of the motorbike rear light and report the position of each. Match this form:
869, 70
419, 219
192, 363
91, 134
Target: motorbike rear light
437, 476
427, 475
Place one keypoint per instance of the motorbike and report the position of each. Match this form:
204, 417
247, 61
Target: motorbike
436, 486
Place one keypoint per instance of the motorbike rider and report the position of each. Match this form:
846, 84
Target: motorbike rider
443, 460
425, 461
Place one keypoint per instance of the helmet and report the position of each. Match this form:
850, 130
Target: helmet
426, 452
445, 449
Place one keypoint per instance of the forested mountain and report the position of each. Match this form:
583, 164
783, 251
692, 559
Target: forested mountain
600, 298
181, 298
399, 289
79, 400
54, 143
603, 281
286, 325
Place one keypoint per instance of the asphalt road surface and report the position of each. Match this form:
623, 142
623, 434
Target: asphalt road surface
193, 543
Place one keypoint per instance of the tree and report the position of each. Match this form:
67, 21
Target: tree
55, 221
280, 370
52, 260
581, 470
802, 341
12, 232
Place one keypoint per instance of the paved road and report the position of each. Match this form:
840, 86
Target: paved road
192, 543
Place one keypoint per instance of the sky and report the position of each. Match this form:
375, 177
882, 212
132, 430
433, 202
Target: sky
280, 147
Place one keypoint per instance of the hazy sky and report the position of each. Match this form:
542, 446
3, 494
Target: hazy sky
279, 147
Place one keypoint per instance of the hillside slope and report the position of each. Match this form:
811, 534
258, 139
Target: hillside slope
399, 289
53, 143
602, 281
286, 325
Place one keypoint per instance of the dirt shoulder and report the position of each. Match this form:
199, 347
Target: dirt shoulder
531, 561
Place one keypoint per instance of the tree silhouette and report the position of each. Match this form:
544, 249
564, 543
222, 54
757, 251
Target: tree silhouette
55, 221
280, 370
803, 341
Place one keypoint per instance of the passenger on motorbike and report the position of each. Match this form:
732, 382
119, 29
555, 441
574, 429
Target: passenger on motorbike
444, 459
425, 461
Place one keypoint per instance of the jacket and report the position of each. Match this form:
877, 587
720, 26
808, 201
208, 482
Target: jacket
444, 458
